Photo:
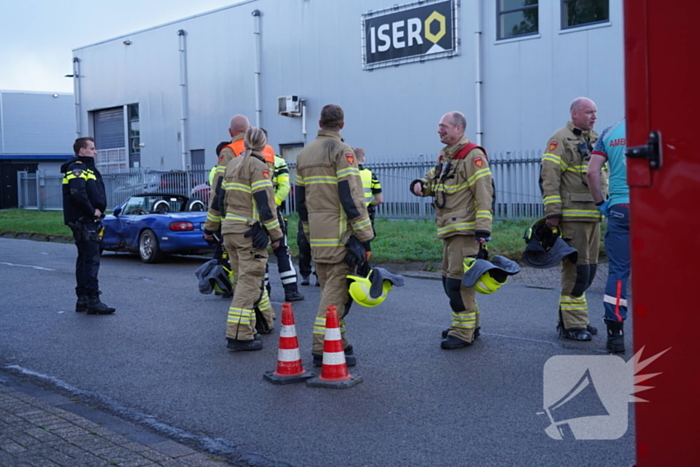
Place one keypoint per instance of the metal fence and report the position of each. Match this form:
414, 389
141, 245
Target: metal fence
516, 177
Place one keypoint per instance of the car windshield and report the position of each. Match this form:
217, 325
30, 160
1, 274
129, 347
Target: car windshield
153, 204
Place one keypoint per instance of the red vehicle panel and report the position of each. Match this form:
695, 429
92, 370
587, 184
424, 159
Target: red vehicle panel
662, 95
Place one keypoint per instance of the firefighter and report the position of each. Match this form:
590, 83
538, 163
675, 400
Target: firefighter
84, 203
249, 223
331, 206
280, 182
569, 208
462, 189
610, 148
371, 186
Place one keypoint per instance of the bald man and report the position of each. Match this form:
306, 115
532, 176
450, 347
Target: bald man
461, 186
569, 209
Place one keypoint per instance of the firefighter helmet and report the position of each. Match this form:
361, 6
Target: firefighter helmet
489, 281
360, 288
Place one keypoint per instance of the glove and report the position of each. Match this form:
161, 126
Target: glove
357, 254
485, 234
260, 238
604, 208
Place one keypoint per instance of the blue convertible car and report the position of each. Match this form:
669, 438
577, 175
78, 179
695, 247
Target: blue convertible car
154, 225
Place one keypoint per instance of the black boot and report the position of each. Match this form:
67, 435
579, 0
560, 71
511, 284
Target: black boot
291, 293
576, 334
237, 345
96, 307
305, 279
616, 336
477, 332
82, 304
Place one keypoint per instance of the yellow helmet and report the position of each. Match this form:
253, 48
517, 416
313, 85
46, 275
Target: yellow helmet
359, 290
486, 283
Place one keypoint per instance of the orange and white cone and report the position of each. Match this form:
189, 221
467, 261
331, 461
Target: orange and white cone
289, 368
334, 372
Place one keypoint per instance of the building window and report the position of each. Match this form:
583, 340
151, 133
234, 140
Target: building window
517, 18
134, 136
575, 13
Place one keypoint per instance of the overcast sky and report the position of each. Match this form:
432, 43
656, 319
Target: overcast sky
37, 36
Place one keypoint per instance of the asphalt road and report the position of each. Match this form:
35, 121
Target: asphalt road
161, 359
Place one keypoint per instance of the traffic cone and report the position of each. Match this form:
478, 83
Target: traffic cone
334, 372
289, 369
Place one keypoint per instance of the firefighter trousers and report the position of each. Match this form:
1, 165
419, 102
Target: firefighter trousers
577, 277
334, 291
248, 265
465, 312
288, 274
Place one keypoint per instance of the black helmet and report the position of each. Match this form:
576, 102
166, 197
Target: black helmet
545, 247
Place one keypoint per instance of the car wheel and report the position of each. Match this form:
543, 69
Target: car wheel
149, 251
196, 205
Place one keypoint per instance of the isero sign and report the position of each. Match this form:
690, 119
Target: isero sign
407, 34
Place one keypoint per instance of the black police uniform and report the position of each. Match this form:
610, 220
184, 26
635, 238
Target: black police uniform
83, 192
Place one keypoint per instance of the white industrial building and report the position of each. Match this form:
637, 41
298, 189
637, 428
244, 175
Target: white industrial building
162, 98
37, 130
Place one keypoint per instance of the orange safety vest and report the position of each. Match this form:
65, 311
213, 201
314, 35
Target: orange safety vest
239, 146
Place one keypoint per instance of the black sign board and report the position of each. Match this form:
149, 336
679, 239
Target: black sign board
409, 33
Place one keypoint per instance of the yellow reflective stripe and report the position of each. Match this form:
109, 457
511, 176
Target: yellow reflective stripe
551, 158
261, 184
272, 224
299, 180
220, 169
361, 224
477, 175
552, 199
213, 217
321, 179
581, 212
347, 171
577, 168
484, 214
569, 303
233, 186
236, 217
240, 315
320, 326
464, 320
457, 227
264, 303
325, 242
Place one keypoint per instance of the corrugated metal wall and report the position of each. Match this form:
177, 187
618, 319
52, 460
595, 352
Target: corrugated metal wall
36, 123
313, 49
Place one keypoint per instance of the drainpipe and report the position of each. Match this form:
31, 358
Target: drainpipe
182, 34
256, 32
76, 96
477, 71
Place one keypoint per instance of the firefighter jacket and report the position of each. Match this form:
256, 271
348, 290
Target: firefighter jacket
83, 190
329, 197
563, 175
370, 184
462, 190
248, 197
227, 154
280, 180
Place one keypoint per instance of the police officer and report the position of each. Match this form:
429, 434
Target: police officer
331, 206
281, 185
84, 203
462, 189
610, 148
569, 208
249, 223
371, 186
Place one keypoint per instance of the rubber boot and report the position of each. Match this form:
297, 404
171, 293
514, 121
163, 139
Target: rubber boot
616, 336
82, 304
237, 345
96, 307
291, 293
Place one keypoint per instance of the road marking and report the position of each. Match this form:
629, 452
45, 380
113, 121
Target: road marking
27, 266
